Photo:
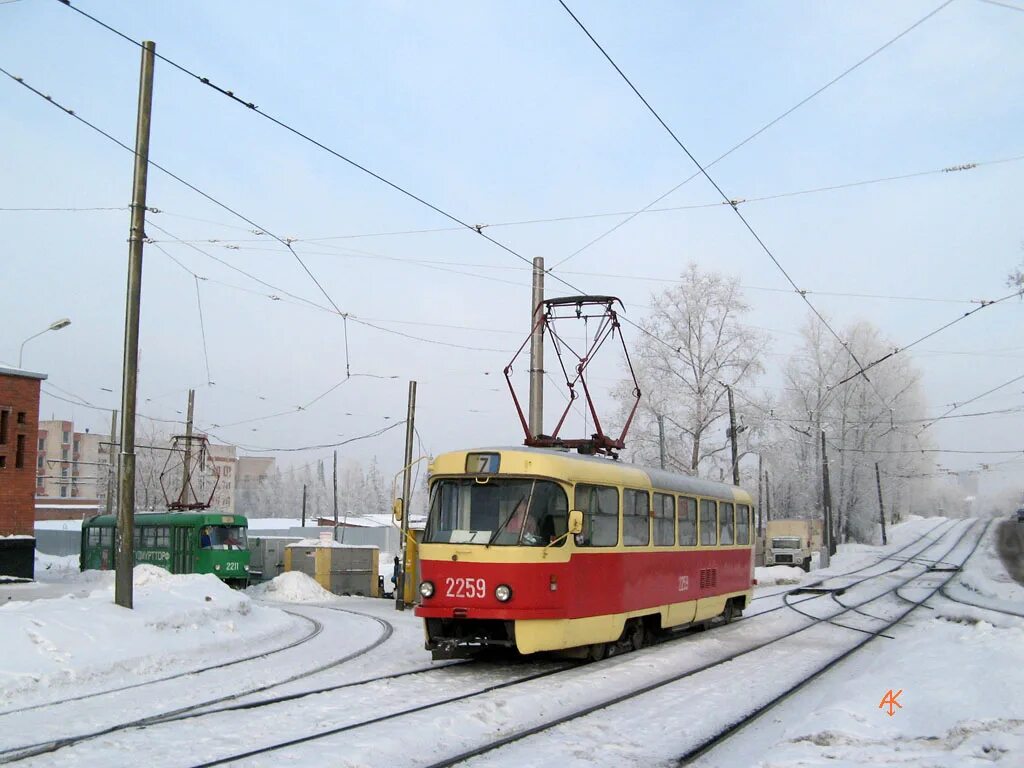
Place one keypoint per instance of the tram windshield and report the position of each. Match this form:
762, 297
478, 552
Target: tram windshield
222, 537
501, 511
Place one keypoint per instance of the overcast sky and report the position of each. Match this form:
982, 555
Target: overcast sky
499, 112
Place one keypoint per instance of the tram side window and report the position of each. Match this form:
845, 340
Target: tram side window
163, 536
600, 508
742, 524
664, 520
687, 522
94, 537
725, 523
708, 510
148, 537
636, 518
106, 537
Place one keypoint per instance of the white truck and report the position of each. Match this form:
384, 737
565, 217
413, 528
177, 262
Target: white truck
790, 542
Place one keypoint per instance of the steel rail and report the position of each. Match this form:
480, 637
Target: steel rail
749, 717
23, 752
515, 737
504, 741
317, 629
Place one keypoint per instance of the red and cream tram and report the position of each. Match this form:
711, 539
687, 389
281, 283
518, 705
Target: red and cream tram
534, 549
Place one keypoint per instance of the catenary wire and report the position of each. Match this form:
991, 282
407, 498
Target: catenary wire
703, 171
179, 179
202, 330
928, 335
756, 133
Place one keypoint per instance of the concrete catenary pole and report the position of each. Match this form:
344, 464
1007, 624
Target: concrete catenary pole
112, 473
536, 416
732, 440
881, 506
303, 505
760, 492
661, 439
767, 497
826, 498
334, 475
186, 467
125, 554
403, 566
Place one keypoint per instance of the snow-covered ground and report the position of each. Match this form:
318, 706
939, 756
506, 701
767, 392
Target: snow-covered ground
959, 669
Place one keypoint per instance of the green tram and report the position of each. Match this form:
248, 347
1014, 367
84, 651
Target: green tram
181, 542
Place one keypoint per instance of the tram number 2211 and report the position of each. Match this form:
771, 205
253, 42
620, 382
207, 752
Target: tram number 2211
466, 588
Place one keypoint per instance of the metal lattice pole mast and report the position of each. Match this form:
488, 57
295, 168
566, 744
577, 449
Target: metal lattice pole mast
125, 554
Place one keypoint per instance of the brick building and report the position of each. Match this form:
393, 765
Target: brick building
19, 426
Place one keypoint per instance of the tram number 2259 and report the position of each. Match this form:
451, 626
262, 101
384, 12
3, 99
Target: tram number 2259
466, 588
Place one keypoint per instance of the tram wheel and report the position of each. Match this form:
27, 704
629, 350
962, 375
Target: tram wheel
730, 613
597, 651
636, 635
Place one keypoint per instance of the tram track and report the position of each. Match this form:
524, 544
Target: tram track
316, 629
208, 707
23, 752
815, 621
749, 717
890, 556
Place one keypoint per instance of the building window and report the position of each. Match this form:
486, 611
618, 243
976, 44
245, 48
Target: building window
19, 453
42, 443
67, 437
3, 462
21, 417
63, 492
4, 416
64, 454
39, 463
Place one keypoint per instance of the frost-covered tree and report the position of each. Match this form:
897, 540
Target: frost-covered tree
867, 419
694, 345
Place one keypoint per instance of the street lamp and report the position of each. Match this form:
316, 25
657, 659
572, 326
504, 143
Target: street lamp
56, 325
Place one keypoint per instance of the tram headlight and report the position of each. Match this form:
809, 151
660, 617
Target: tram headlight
216, 567
503, 592
427, 588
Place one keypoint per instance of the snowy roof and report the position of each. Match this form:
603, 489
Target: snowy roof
5, 371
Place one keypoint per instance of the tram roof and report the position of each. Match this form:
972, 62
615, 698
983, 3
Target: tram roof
201, 517
661, 479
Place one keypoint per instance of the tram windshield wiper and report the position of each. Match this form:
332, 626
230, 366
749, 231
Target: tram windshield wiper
505, 522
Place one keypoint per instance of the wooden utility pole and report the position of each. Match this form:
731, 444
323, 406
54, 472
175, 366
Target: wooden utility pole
881, 506
125, 550
536, 416
401, 577
112, 471
826, 498
335, 475
732, 440
303, 505
186, 471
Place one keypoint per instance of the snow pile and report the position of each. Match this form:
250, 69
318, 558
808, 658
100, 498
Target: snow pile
778, 574
178, 620
56, 567
291, 587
